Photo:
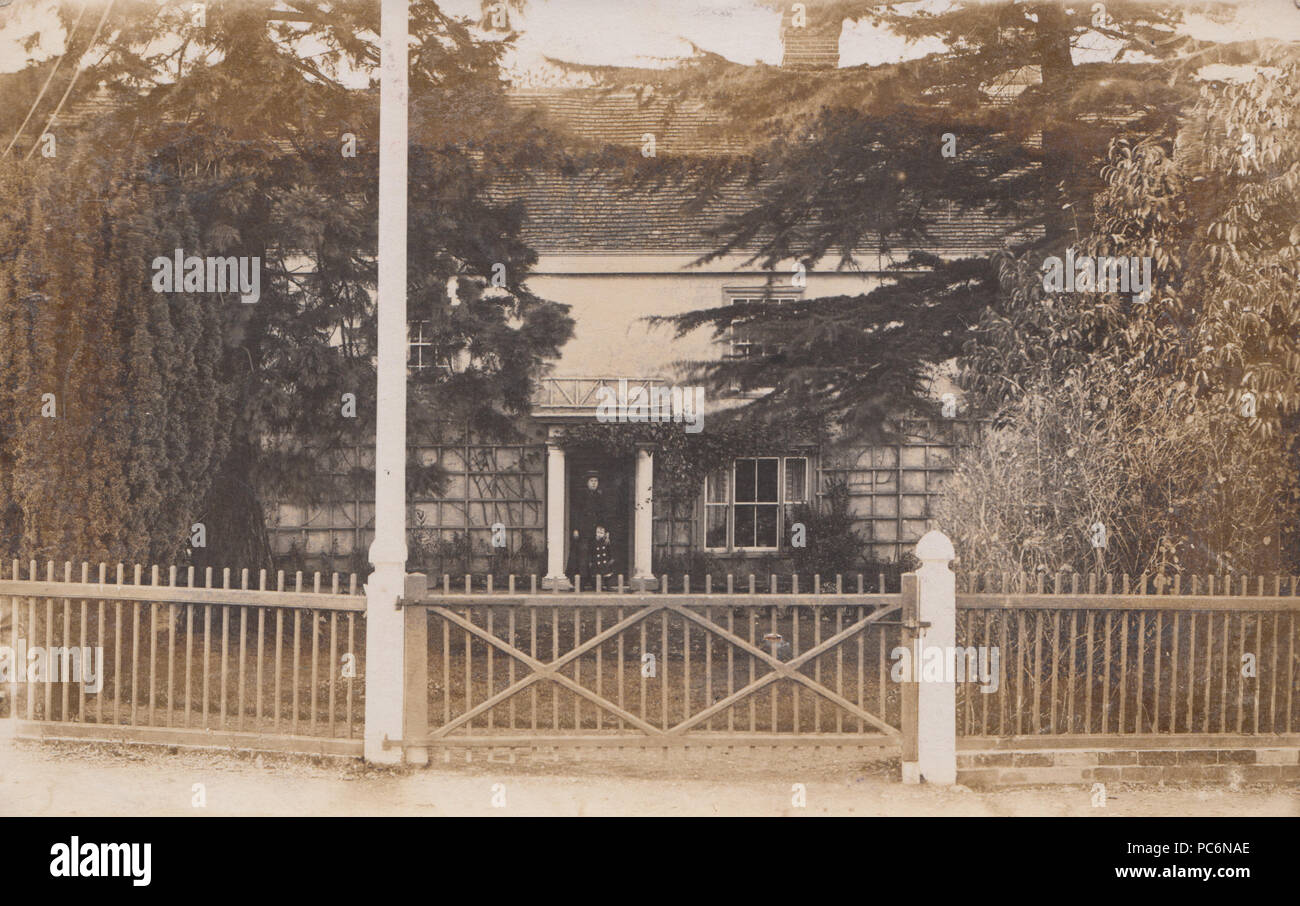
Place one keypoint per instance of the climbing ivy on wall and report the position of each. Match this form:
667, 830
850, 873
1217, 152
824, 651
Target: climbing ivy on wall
683, 460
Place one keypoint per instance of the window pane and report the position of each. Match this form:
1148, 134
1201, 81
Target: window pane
419, 345
745, 526
765, 527
796, 480
790, 518
716, 530
744, 339
740, 345
745, 480
716, 487
767, 471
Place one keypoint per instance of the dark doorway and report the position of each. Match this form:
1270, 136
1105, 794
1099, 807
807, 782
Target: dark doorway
615, 474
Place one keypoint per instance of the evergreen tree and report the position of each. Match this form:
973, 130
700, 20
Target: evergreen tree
226, 138
853, 159
111, 401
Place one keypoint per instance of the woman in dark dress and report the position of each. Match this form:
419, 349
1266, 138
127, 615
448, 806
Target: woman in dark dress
590, 511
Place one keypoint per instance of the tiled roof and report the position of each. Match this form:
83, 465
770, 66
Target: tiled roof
599, 212
601, 117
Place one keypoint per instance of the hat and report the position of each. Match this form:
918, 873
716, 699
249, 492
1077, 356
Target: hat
590, 473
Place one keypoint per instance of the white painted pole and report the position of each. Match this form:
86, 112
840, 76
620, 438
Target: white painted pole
937, 701
384, 622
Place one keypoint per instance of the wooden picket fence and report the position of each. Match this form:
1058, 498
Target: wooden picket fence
252, 661
194, 660
1086, 656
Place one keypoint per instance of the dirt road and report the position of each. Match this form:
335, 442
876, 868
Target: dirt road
90, 780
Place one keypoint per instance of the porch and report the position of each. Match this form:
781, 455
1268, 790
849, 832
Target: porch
629, 485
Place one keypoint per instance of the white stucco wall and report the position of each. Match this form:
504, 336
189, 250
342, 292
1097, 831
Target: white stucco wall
610, 296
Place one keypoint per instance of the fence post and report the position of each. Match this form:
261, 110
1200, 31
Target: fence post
934, 593
415, 691
909, 691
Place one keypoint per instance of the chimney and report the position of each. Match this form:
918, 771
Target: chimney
810, 42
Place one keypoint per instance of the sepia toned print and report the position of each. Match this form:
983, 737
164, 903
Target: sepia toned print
565, 407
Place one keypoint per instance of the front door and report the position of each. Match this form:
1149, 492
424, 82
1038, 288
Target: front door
612, 506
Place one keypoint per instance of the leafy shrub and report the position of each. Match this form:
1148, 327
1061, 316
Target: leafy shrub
1174, 492
833, 546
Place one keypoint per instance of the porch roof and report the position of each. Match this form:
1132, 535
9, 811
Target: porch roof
574, 399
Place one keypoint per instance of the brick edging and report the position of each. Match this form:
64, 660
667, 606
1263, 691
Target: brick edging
1046, 766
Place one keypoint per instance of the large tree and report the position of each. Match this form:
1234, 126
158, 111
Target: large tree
232, 135
851, 160
1179, 429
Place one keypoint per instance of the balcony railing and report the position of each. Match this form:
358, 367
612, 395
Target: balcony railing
577, 397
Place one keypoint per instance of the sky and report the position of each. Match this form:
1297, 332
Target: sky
660, 32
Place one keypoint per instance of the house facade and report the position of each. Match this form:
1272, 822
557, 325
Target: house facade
618, 255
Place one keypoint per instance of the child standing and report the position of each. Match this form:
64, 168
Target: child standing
602, 560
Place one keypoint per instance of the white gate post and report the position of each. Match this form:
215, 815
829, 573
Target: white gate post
936, 699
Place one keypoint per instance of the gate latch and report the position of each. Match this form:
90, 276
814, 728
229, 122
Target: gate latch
916, 626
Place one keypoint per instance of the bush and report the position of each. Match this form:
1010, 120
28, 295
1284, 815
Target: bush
833, 546
1175, 489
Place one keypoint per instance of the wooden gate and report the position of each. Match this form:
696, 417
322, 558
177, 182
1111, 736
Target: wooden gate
658, 670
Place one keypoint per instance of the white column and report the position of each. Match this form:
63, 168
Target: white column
555, 540
643, 517
385, 660
937, 701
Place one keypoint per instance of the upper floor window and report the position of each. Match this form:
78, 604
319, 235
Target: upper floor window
748, 505
420, 343
423, 352
741, 340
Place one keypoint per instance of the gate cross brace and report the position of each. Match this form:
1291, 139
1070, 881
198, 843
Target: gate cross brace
782, 670
779, 670
543, 670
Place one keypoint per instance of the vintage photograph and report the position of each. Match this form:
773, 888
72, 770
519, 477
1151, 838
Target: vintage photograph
599, 408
